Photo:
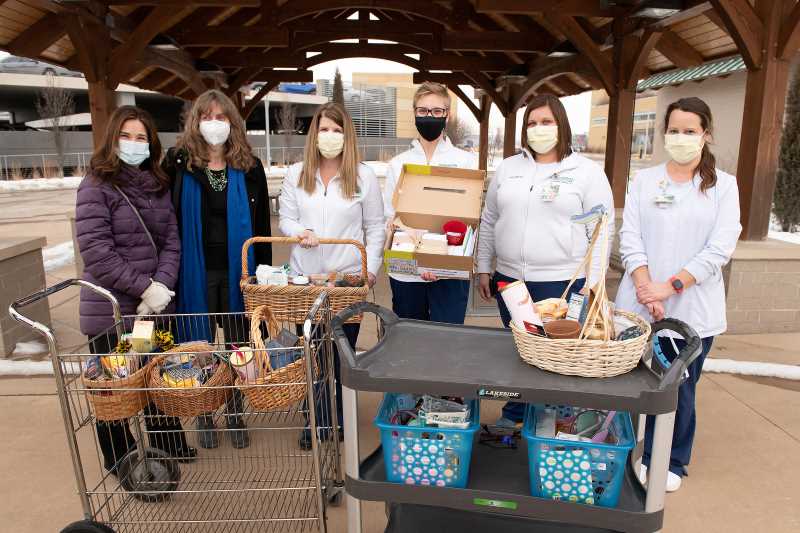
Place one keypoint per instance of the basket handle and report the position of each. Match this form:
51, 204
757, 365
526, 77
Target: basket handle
259, 314
388, 317
294, 240
692, 350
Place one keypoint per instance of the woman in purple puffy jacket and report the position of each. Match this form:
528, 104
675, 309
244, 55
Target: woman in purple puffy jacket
128, 238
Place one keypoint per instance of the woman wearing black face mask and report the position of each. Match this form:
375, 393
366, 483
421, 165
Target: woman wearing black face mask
424, 297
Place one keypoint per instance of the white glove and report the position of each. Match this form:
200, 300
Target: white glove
143, 309
157, 296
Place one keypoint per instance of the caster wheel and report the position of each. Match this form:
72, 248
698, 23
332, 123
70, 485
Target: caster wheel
87, 526
151, 479
335, 499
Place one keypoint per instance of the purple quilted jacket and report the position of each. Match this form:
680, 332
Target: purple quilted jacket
116, 252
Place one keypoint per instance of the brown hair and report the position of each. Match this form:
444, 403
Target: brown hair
105, 164
348, 171
431, 87
238, 152
707, 168
564, 144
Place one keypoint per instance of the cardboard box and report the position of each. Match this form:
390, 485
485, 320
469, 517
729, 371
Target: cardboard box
425, 198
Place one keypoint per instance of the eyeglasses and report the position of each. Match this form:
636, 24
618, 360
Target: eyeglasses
437, 112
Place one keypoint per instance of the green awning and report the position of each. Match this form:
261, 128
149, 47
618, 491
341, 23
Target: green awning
720, 67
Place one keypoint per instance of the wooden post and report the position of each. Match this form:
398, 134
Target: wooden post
483, 138
509, 136
102, 102
762, 125
618, 142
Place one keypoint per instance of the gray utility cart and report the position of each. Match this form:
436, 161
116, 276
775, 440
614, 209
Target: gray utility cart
425, 357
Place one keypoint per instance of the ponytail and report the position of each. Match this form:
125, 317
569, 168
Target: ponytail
707, 168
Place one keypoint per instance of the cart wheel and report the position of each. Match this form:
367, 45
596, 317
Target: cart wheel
151, 479
87, 526
335, 499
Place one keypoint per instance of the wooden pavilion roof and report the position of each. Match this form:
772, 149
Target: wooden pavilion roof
558, 46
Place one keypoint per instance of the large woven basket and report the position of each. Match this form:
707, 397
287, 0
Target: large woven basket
117, 399
293, 302
275, 388
583, 357
192, 401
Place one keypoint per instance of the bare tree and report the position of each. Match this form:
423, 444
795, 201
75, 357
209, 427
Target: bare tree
495, 145
338, 88
287, 126
457, 131
53, 104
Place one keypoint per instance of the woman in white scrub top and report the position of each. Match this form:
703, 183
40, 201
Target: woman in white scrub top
680, 227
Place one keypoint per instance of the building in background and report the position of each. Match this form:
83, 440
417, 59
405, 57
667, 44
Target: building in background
372, 107
644, 123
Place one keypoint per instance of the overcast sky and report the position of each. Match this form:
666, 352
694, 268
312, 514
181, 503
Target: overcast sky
578, 107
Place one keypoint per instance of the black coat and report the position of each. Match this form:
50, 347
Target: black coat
257, 194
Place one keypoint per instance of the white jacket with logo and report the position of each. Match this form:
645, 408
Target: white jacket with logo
329, 215
534, 239
445, 155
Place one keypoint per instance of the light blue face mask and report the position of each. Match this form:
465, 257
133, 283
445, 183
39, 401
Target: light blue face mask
133, 152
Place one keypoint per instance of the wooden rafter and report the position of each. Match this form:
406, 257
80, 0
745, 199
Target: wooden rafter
256, 99
681, 53
451, 78
231, 35
789, 40
243, 77
744, 27
476, 111
494, 41
565, 7
545, 69
38, 37
583, 42
635, 62
423, 8
310, 39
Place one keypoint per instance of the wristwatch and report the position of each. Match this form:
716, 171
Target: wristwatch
677, 284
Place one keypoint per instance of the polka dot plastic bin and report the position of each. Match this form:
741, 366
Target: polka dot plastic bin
430, 456
580, 472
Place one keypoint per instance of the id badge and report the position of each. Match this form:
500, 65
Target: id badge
664, 200
549, 191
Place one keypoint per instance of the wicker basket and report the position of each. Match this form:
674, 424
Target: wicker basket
109, 404
192, 401
277, 388
584, 357
291, 303
594, 358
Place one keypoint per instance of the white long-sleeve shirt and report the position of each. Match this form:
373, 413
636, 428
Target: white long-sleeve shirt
445, 155
330, 215
698, 233
533, 239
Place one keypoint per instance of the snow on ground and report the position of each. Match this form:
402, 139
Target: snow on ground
29, 348
751, 368
34, 368
58, 256
40, 184
785, 236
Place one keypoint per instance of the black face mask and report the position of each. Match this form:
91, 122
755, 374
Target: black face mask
430, 128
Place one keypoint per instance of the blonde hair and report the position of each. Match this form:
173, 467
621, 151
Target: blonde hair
348, 170
431, 87
238, 153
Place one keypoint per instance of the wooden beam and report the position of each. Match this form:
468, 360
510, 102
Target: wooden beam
159, 19
452, 78
681, 53
567, 85
233, 36
183, 70
280, 76
480, 80
636, 65
510, 135
697, 7
476, 111
102, 103
256, 99
545, 69
789, 40
618, 142
583, 42
483, 136
462, 62
243, 77
431, 11
762, 121
89, 48
305, 40
566, 7
495, 41
197, 3
38, 37
744, 27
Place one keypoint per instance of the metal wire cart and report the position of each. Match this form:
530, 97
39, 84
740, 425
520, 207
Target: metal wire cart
129, 438
474, 362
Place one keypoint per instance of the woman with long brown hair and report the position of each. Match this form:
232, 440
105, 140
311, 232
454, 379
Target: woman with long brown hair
526, 226
331, 194
680, 227
220, 194
128, 238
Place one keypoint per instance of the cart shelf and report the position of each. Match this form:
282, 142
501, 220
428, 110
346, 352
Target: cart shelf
470, 361
498, 484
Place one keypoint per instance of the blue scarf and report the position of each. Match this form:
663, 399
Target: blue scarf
192, 287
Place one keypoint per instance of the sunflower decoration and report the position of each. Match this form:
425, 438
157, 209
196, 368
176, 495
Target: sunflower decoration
124, 346
164, 340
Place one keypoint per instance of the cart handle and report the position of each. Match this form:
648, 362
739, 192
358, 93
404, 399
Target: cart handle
13, 309
294, 240
692, 350
388, 317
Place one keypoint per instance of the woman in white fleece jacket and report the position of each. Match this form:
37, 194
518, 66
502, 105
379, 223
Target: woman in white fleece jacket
526, 227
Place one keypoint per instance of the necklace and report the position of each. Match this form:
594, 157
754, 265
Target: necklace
218, 179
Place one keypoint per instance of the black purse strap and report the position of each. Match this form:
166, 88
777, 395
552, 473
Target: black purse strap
141, 220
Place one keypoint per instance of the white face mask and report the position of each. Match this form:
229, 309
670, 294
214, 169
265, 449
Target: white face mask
542, 139
683, 148
330, 143
133, 152
215, 132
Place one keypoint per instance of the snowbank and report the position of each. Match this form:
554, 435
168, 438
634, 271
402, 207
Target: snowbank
752, 368
58, 256
40, 184
785, 236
